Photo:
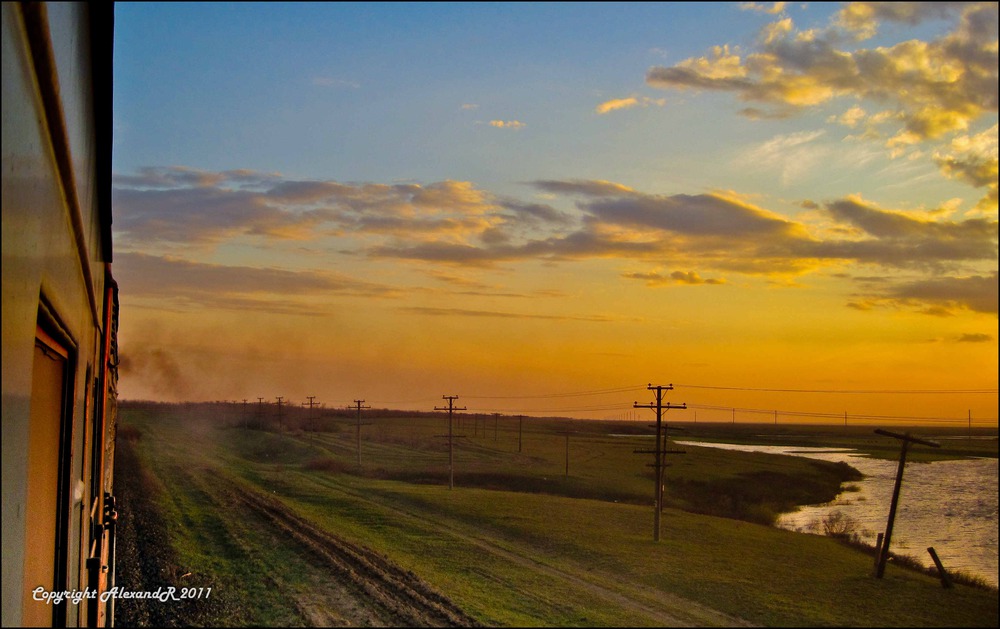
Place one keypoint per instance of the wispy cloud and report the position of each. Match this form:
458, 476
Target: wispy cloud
450, 312
791, 154
617, 104
507, 124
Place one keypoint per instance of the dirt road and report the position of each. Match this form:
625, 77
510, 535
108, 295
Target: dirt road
345, 584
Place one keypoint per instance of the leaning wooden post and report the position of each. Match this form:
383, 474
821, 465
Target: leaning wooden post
883, 555
945, 579
878, 554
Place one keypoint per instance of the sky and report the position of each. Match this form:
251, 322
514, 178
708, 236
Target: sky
786, 211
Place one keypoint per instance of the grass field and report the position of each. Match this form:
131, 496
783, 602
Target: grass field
550, 523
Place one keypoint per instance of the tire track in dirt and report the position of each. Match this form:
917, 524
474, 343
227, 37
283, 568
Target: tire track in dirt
400, 597
664, 608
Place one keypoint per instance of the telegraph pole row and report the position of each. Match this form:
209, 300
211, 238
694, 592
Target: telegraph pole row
451, 441
659, 451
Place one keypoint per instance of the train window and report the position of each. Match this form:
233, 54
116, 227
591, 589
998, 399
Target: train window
46, 515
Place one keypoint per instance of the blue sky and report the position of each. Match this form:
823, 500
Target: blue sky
548, 197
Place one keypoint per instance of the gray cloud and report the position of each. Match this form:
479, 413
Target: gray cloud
186, 283
941, 296
977, 293
183, 207
506, 315
895, 239
676, 277
454, 223
693, 215
975, 338
723, 234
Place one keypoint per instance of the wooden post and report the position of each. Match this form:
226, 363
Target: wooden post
520, 430
906, 439
884, 555
878, 553
945, 579
567, 454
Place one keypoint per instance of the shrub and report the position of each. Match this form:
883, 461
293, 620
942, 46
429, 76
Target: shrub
840, 525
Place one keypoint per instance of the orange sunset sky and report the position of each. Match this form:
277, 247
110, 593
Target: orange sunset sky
544, 207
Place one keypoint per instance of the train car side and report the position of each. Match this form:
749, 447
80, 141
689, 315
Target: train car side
60, 314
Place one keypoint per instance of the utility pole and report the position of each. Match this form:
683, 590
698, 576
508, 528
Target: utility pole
358, 406
566, 433
496, 425
520, 430
312, 417
451, 438
260, 413
244, 413
906, 439
281, 426
659, 406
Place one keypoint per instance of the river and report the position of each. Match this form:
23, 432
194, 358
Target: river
950, 505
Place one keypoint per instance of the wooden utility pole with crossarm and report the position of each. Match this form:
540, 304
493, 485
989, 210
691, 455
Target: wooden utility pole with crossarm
451, 408
659, 451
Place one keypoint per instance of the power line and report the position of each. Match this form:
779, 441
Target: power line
838, 415
846, 391
602, 407
556, 395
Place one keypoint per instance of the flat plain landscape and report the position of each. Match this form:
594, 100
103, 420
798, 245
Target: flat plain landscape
549, 523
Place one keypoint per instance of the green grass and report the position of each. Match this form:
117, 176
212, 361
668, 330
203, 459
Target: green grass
519, 542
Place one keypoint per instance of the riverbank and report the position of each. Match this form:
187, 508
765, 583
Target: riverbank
948, 503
